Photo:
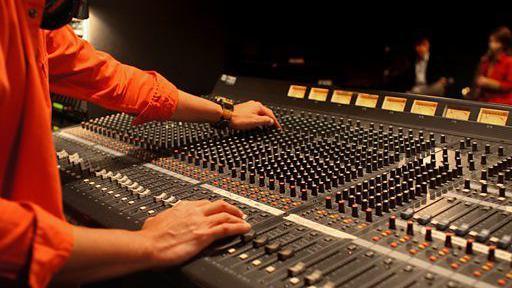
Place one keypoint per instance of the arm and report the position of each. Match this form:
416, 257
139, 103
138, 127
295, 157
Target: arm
170, 238
245, 116
78, 70
34, 244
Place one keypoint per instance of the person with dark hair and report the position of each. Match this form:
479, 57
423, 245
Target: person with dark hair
420, 73
494, 76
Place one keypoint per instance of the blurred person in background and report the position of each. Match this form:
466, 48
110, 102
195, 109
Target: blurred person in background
493, 81
420, 73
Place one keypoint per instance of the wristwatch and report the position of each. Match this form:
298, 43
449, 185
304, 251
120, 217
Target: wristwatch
227, 111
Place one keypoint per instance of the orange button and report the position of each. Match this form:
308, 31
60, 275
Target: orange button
477, 273
455, 266
413, 251
376, 238
502, 282
393, 244
432, 258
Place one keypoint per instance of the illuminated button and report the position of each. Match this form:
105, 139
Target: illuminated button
502, 282
413, 251
432, 258
270, 269
393, 244
243, 256
477, 273
375, 238
294, 281
231, 250
256, 262
454, 266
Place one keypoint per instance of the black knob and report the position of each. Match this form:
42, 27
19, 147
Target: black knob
378, 209
469, 246
471, 165
501, 178
467, 184
483, 187
392, 222
474, 146
491, 254
483, 159
448, 240
410, 228
282, 187
428, 233
271, 184
328, 202
462, 144
293, 191
483, 174
341, 206
355, 212
501, 151
262, 181
487, 149
369, 215
304, 195
501, 190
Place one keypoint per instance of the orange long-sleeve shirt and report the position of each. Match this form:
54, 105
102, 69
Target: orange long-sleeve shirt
35, 240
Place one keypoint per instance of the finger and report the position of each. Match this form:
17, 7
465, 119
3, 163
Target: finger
220, 206
229, 229
201, 203
221, 218
270, 113
258, 121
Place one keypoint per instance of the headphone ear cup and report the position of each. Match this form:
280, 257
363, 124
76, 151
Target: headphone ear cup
61, 15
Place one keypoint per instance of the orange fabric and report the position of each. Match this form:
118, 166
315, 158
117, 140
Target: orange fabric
33, 232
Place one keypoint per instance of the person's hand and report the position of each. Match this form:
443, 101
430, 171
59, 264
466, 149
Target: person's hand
486, 82
179, 233
481, 81
252, 114
442, 81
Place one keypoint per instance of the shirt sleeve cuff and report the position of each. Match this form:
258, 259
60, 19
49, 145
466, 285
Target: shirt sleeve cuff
52, 245
162, 104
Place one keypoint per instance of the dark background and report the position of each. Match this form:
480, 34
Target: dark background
193, 41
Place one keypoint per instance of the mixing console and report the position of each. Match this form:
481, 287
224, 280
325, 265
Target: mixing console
347, 194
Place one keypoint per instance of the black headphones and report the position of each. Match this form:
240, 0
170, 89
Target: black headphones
58, 13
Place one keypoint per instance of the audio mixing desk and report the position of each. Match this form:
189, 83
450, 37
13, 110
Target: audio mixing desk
358, 189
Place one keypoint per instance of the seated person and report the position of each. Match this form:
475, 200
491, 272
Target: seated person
494, 77
420, 73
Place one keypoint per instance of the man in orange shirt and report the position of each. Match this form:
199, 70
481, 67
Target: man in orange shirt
36, 244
